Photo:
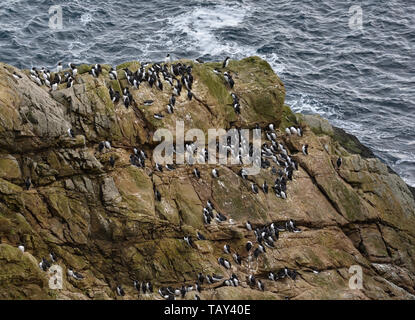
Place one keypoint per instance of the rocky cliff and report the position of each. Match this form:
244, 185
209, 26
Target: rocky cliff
104, 222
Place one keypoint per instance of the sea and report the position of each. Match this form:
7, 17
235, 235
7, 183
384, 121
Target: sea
352, 62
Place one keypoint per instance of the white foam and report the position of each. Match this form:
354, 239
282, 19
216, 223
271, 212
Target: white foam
202, 25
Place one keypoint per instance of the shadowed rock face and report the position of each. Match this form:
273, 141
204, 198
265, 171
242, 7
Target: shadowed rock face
105, 222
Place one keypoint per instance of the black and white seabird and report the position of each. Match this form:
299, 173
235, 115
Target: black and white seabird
261, 285
21, 248
28, 183
136, 285
200, 236
224, 262
237, 258
16, 76
188, 240
113, 74
215, 173
71, 133
148, 102
196, 172
158, 116
53, 256
44, 264
170, 109
254, 188
167, 59
251, 280
248, 226
120, 291
170, 167
227, 249
248, 246
74, 69
59, 68
75, 275
265, 187
225, 62
305, 149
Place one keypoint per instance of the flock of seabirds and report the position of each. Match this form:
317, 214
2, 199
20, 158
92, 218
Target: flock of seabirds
273, 153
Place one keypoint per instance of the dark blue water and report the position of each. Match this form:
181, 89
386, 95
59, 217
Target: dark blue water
361, 80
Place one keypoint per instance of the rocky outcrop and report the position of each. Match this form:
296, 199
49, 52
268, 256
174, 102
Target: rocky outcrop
105, 223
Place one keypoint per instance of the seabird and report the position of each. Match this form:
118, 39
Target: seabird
237, 258
254, 188
209, 204
200, 278
200, 236
225, 62
16, 76
339, 162
167, 59
248, 225
215, 173
21, 248
265, 187
44, 264
53, 256
101, 146
71, 133
59, 68
243, 173
227, 249
248, 246
188, 240
251, 280
305, 149
293, 130
158, 116
113, 74
172, 100
169, 167
170, 109
137, 285
196, 172
70, 83
74, 69
28, 183
120, 291
112, 161
261, 285
225, 263
148, 102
